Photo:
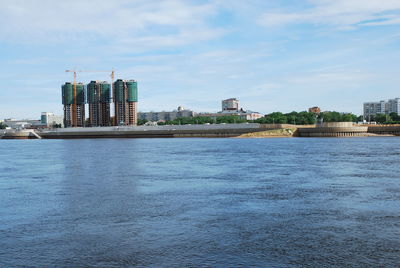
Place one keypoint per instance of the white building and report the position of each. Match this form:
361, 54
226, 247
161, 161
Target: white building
393, 106
22, 123
381, 107
50, 119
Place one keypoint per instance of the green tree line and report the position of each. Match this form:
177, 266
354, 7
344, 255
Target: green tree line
392, 118
296, 118
307, 118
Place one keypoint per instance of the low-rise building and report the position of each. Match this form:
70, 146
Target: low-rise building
22, 123
231, 107
246, 115
166, 116
315, 110
50, 119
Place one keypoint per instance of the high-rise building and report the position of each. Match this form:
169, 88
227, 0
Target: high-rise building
381, 107
98, 97
393, 106
74, 108
125, 102
231, 104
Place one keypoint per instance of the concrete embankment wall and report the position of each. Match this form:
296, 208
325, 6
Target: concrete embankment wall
19, 135
333, 132
284, 126
220, 130
385, 130
334, 129
217, 130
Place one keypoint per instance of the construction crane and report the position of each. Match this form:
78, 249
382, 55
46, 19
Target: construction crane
74, 109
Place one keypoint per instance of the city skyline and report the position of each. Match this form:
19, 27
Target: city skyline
273, 56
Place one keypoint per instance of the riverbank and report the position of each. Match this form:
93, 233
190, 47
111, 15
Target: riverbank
247, 130
274, 133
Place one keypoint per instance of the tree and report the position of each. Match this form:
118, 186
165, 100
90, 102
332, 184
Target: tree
56, 126
142, 121
394, 116
3, 126
382, 118
337, 117
297, 118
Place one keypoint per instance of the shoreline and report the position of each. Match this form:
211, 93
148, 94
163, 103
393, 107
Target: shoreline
248, 130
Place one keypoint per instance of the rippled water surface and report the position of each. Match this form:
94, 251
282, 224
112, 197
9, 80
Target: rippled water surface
284, 202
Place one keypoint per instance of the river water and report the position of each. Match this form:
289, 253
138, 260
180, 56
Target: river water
282, 202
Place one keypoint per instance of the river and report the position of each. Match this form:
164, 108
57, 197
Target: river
280, 202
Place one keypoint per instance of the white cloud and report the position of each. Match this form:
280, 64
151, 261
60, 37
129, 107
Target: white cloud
343, 14
146, 23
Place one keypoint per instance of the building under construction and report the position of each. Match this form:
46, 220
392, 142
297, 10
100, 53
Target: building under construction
73, 99
98, 97
125, 102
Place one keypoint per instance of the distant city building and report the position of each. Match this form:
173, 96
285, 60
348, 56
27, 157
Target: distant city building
381, 107
50, 119
98, 97
246, 115
166, 116
22, 123
315, 110
125, 102
231, 104
74, 108
231, 107
393, 106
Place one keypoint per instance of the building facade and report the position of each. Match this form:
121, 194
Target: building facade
98, 97
50, 119
393, 106
381, 107
315, 110
166, 116
125, 102
74, 108
22, 123
231, 104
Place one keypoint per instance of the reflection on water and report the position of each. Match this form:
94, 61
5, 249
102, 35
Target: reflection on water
200, 202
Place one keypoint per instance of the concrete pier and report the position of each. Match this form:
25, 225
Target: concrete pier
334, 129
21, 134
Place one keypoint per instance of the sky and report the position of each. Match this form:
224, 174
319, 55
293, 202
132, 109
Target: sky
273, 55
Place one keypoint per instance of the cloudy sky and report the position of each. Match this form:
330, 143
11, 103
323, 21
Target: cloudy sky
274, 55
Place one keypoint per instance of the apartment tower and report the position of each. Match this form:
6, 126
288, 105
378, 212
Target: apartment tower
74, 107
98, 97
125, 102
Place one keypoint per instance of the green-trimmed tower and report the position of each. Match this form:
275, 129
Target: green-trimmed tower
125, 100
74, 112
98, 97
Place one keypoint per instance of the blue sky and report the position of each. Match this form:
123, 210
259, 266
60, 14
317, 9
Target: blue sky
277, 55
